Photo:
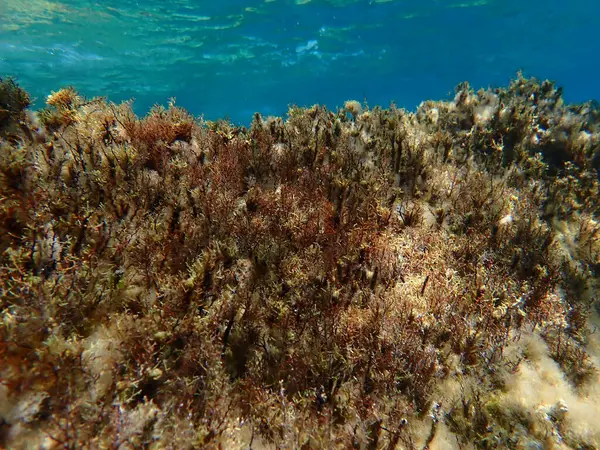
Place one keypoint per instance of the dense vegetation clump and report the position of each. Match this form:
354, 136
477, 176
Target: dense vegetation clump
367, 278
13, 103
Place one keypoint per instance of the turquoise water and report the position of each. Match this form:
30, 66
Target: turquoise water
230, 58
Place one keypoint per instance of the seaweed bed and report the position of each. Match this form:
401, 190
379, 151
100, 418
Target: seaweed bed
364, 278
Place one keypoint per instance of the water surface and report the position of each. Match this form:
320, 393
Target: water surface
231, 58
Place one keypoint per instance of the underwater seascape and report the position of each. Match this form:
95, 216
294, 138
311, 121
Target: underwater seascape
307, 224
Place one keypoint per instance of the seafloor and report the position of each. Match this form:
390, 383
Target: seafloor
361, 278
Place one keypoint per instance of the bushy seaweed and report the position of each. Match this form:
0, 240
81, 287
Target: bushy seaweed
13, 103
311, 282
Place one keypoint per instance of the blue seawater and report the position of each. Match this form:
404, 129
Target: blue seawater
230, 58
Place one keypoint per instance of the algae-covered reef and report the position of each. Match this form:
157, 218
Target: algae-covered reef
360, 278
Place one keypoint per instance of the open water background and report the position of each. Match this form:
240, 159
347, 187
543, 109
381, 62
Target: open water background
229, 58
